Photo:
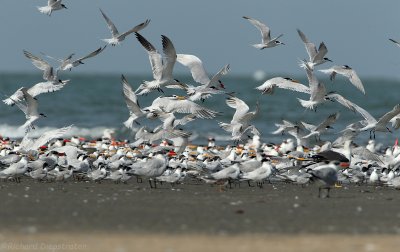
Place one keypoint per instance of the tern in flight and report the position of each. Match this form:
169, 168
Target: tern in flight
266, 41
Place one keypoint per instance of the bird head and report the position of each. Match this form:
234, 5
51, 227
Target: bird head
327, 59
63, 5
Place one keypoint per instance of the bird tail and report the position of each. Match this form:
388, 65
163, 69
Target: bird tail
307, 104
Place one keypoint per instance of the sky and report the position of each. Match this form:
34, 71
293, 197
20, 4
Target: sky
356, 33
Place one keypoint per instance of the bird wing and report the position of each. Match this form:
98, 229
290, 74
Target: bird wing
293, 86
367, 116
154, 57
353, 78
31, 103
45, 87
45, 138
218, 75
189, 107
130, 98
348, 104
137, 28
92, 54
110, 25
396, 42
170, 57
40, 64
241, 108
195, 66
322, 51
265, 31
310, 47
389, 115
331, 119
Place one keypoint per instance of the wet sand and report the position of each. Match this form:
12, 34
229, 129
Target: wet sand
281, 215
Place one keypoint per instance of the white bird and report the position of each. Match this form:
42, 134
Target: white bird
151, 168
35, 90
117, 37
52, 5
146, 135
199, 75
346, 71
179, 104
48, 73
135, 112
316, 57
162, 68
15, 170
395, 42
30, 109
322, 127
266, 41
319, 95
372, 124
260, 174
240, 122
268, 87
68, 63
326, 176
28, 143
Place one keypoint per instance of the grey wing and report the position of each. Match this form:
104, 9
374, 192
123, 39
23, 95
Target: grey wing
154, 57
293, 86
137, 28
48, 136
389, 115
170, 56
37, 62
352, 76
218, 75
331, 119
348, 104
396, 42
110, 25
92, 54
265, 31
195, 66
241, 108
310, 47
130, 98
322, 51
45, 87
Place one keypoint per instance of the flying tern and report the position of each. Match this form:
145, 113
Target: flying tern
52, 5
266, 41
316, 57
346, 71
117, 37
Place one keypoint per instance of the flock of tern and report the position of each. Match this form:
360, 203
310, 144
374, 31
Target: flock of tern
165, 153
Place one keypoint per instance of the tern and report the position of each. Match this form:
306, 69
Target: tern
30, 109
266, 41
117, 38
268, 87
15, 170
48, 73
52, 5
135, 112
199, 75
326, 176
179, 104
322, 127
346, 71
37, 89
240, 122
68, 63
319, 95
372, 124
151, 168
316, 57
162, 68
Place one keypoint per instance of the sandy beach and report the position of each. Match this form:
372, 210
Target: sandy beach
122, 217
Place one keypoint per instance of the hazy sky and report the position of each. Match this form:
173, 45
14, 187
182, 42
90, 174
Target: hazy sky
355, 32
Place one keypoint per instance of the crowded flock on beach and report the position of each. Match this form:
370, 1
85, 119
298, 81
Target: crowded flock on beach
165, 156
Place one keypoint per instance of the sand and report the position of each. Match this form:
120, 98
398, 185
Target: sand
133, 217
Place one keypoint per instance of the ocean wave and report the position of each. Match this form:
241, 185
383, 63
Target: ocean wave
13, 131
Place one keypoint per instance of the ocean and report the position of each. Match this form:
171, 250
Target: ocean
94, 102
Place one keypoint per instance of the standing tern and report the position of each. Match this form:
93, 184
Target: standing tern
316, 57
52, 5
346, 71
162, 68
266, 41
326, 176
117, 38
68, 63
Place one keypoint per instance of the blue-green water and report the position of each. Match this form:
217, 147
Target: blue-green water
95, 102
